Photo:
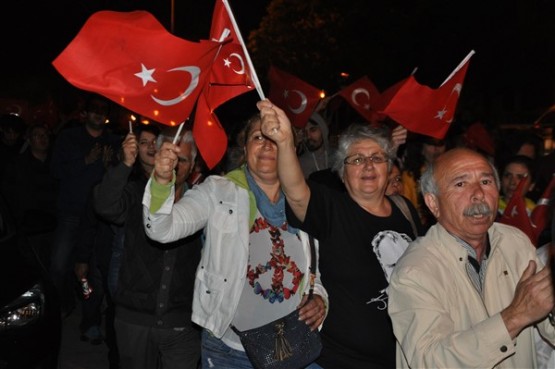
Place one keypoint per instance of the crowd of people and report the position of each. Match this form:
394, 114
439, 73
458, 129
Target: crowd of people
414, 268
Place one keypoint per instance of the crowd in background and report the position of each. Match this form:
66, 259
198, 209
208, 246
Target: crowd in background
90, 176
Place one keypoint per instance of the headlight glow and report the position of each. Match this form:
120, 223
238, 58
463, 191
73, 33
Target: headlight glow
23, 311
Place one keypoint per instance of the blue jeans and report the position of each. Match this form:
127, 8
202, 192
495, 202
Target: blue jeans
216, 354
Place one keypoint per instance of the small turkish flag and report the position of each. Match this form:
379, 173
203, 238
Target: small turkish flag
297, 98
364, 97
515, 213
424, 110
231, 75
130, 58
540, 214
477, 137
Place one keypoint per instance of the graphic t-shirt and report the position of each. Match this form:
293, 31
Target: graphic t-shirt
356, 256
273, 278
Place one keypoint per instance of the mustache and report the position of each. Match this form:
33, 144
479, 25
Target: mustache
477, 209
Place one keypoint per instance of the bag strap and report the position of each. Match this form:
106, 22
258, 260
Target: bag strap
402, 205
312, 267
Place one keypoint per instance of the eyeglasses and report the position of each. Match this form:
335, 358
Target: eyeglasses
358, 159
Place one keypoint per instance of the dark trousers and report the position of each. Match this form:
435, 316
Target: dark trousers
62, 262
143, 347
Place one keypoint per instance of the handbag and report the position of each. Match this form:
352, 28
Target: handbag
287, 342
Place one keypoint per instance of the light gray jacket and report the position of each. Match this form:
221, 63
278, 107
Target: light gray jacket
439, 318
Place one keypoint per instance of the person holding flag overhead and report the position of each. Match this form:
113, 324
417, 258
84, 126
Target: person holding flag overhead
361, 233
254, 266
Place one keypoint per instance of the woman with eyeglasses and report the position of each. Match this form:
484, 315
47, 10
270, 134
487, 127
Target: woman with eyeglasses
361, 232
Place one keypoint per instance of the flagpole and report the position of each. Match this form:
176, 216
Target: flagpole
472, 52
249, 61
172, 15
178, 132
549, 110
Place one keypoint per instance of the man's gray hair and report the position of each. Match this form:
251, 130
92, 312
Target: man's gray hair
428, 183
186, 137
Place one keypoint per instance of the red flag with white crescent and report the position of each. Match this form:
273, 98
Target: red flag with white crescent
231, 75
297, 98
516, 215
425, 110
364, 97
540, 214
130, 58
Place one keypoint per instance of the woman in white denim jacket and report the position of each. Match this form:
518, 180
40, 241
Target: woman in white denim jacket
254, 267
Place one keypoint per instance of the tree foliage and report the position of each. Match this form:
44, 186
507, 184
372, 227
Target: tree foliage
319, 39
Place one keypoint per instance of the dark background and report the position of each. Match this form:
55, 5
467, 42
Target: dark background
510, 79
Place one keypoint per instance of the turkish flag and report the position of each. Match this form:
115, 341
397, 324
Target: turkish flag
515, 213
210, 136
477, 137
424, 110
130, 58
297, 98
365, 98
231, 75
540, 214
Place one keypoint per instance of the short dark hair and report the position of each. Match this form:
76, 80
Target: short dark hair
524, 160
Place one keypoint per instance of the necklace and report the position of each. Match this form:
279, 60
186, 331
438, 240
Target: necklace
279, 263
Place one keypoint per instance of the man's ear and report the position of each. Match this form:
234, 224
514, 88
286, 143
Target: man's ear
432, 204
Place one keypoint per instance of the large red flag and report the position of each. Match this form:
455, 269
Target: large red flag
364, 97
424, 110
515, 213
130, 58
210, 136
297, 98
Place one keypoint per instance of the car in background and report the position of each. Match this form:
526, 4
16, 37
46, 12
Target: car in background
30, 317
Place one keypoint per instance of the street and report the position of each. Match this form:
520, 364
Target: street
76, 354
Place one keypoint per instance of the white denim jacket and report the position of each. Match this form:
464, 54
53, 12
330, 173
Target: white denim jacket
224, 208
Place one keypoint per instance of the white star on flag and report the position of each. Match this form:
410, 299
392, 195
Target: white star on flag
227, 63
146, 74
441, 113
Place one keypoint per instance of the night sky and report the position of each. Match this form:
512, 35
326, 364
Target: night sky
514, 65
34, 33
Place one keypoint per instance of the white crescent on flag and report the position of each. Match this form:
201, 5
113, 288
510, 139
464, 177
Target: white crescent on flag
363, 91
195, 73
303, 104
227, 62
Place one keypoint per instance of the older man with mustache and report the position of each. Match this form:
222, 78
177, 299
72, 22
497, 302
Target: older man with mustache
468, 293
